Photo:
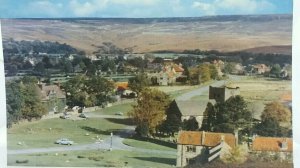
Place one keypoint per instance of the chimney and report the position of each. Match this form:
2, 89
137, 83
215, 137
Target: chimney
236, 135
284, 144
203, 137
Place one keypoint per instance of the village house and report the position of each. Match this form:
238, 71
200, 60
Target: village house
169, 74
273, 147
219, 64
196, 146
238, 69
223, 93
53, 97
123, 90
260, 69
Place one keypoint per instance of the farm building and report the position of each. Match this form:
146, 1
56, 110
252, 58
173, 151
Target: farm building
196, 146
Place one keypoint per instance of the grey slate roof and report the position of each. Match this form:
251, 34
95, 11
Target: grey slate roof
192, 108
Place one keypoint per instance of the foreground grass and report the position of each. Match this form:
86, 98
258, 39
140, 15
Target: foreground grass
38, 133
138, 143
95, 158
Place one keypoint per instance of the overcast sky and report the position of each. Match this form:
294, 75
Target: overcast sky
139, 8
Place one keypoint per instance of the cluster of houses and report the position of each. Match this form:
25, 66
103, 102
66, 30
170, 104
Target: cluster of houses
203, 147
200, 146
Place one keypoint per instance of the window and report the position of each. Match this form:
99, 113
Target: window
191, 148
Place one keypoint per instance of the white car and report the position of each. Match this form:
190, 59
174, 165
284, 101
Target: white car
119, 113
64, 141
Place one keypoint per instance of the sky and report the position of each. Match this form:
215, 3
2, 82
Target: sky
139, 8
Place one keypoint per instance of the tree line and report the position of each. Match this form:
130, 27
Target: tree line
23, 100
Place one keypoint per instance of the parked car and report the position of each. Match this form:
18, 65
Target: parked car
119, 113
82, 115
64, 141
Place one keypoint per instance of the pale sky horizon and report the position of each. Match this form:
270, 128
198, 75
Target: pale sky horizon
140, 8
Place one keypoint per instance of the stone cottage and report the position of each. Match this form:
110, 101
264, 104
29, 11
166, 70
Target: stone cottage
273, 147
202, 146
53, 97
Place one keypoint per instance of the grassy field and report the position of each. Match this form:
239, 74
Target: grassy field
124, 108
38, 133
96, 158
146, 145
263, 89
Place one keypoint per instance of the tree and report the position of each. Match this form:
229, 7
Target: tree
190, 124
276, 70
88, 91
32, 106
139, 82
68, 67
213, 72
14, 102
40, 68
194, 74
75, 89
46, 62
230, 115
268, 127
173, 122
205, 73
150, 109
276, 111
229, 67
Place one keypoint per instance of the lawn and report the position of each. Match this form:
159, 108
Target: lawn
146, 144
116, 108
96, 158
38, 133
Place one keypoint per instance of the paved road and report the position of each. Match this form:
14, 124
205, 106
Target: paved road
203, 89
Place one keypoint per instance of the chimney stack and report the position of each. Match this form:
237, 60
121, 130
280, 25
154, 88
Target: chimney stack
284, 144
236, 135
203, 137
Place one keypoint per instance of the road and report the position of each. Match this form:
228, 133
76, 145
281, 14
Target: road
203, 89
199, 91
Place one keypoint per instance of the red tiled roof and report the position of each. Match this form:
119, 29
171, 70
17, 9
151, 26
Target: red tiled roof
210, 138
177, 68
46, 90
121, 85
271, 144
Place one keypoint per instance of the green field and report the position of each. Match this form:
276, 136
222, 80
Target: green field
262, 89
96, 158
38, 133
146, 145
124, 108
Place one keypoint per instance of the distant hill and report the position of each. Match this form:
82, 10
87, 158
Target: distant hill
224, 33
284, 49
